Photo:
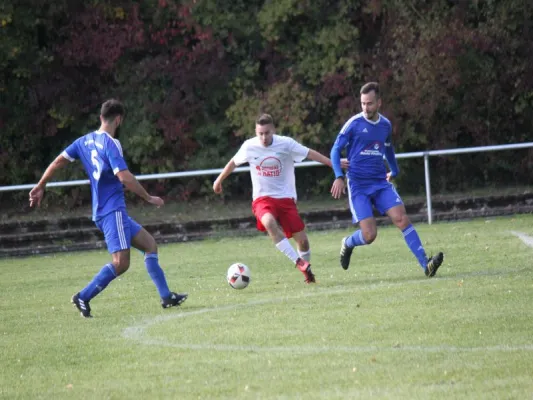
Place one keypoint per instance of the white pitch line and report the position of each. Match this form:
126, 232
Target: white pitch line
528, 240
137, 332
134, 332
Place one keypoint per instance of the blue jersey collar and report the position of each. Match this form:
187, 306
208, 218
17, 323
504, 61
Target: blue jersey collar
372, 122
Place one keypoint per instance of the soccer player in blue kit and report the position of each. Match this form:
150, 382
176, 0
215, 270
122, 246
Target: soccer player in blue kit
103, 160
367, 138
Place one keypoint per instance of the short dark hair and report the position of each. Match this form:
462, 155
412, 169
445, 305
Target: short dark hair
112, 108
264, 119
370, 86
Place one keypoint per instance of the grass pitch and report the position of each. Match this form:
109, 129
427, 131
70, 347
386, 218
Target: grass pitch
379, 330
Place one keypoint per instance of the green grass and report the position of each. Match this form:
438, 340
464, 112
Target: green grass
379, 330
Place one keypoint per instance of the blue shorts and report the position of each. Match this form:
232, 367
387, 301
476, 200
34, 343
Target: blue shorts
382, 196
118, 229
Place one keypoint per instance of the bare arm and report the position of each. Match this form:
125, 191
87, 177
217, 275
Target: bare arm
132, 184
58, 163
37, 193
228, 169
316, 156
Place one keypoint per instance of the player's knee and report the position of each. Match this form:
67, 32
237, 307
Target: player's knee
370, 236
401, 221
273, 229
121, 266
269, 223
151, 246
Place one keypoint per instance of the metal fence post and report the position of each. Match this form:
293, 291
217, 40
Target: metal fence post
428, 187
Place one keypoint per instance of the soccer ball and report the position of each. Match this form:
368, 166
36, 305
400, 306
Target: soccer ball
238, 276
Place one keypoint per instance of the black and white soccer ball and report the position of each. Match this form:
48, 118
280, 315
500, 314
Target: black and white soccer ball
238, 276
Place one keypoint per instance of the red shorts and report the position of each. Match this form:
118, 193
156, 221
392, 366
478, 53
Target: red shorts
284, 210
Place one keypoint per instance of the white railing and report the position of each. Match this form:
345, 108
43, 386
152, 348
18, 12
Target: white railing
216, 171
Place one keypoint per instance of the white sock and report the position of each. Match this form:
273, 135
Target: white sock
285, 247
306, 255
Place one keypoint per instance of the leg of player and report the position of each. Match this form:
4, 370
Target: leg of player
120, 264
398, 216
145, 242
369, 232
116, 229
363, 236
283, 245
362, 214
302, 245
304, 251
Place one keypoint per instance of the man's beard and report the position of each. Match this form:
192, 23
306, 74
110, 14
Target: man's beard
117, 132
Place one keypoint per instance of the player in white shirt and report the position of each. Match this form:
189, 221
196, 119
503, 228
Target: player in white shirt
271, 158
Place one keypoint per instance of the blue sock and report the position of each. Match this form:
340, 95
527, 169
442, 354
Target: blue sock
156, 273
356, 239
415, 245
99, 282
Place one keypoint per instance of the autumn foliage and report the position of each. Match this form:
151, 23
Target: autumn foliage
193, 75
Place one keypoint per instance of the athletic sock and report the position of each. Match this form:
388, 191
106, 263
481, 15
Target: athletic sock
151, 261
415, 245
356, 239
305, 255
99, 282
286, 248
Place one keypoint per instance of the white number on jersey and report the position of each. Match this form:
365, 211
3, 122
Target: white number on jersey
98, 169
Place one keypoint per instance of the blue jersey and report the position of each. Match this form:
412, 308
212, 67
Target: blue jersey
367, 143
102, 159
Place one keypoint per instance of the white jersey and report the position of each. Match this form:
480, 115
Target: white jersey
272, 167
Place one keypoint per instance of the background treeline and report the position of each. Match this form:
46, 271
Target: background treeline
194, 74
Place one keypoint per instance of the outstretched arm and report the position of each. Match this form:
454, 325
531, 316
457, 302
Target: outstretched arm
316, 156
228, 169
132, 184
37, 193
